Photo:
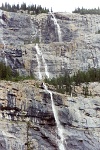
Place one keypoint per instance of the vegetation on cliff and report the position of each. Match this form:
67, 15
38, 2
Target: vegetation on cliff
6, 73
31, 9
64, 84
87, 11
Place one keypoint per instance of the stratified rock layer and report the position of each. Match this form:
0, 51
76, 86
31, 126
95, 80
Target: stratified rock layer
27, 119
79, 49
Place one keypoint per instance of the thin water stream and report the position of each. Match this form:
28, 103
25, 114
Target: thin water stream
58, 27
39, 56
59, 127
1, 37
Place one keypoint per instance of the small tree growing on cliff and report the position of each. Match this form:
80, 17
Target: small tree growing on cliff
5, 72
85, 91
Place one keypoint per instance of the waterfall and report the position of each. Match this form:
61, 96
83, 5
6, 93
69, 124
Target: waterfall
1, 30
58, 27
38, 61
38, 50
5, 59
46, 67
59, 127
40, 75
38, 56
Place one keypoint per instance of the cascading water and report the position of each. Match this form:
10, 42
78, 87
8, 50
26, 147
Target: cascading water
5, 59
59, 127
46, 67
40, 75
38, 50
6, 63
38, 56
58, 27
38, 61
1, 29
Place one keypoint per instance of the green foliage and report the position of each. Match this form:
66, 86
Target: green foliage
64, 84
7, 74
92, 75
98, 32
36, 40
21, 78
85, 91
33, 9
87, 11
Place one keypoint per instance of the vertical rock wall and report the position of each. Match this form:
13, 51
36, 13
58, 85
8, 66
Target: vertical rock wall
27, 120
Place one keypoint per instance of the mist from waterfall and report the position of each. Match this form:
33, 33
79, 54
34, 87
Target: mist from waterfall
58, 27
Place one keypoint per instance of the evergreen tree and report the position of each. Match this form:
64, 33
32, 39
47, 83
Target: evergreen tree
87, 11
14, 8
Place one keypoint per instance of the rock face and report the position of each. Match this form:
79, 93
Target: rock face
27, 119
30, 45
78, 49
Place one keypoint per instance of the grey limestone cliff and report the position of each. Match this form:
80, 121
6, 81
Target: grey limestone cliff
31, 45
28, 123
78, 49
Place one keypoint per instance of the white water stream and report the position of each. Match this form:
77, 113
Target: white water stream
6, 63
38, 61
46, 67
38, 56
1, 36
39, 66
58, 27
59, 127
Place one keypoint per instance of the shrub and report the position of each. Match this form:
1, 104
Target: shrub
6, 73
64, 84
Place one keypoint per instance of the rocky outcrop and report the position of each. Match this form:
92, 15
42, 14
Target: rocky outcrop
79, 48
26, 114
27, 119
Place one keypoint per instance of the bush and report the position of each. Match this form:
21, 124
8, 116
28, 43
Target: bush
21, 78
7, 74
31, 9
64, 84
98, 32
